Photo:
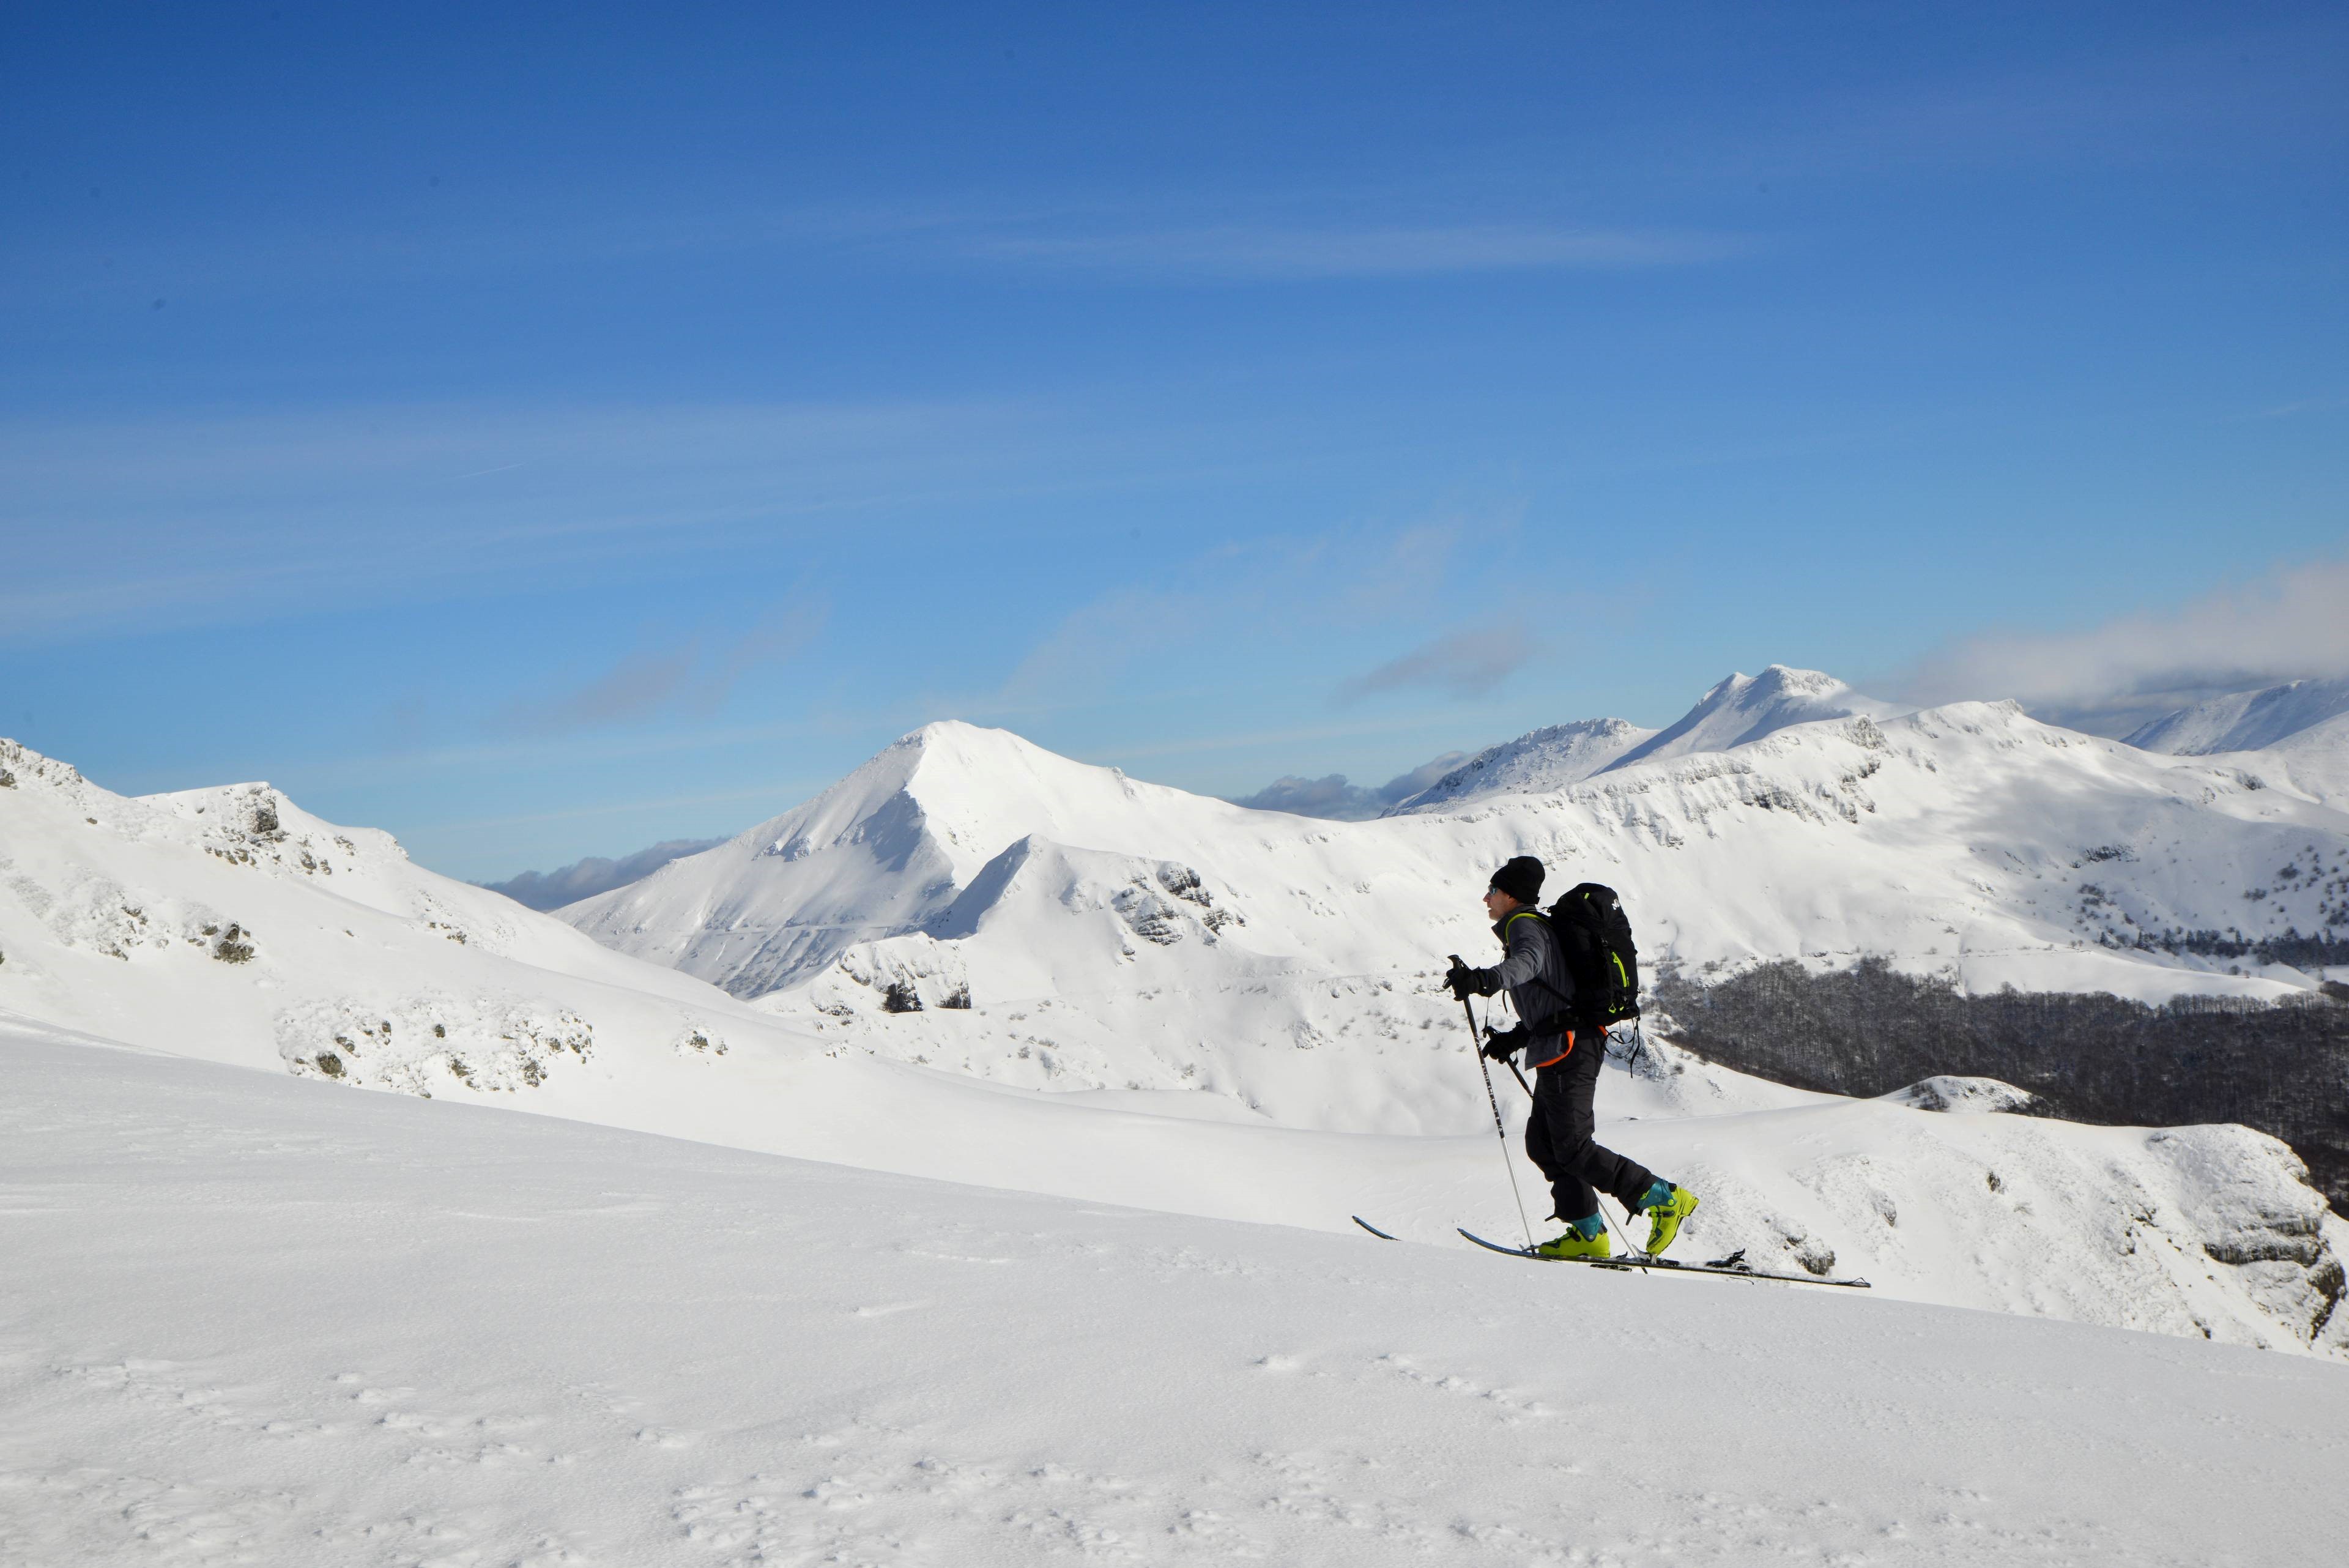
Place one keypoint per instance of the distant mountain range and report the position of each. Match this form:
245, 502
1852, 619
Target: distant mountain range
1736, 711
585, 878
1785, 816
1332, 796
2246, 721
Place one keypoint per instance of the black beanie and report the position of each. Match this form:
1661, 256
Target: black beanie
1521, 878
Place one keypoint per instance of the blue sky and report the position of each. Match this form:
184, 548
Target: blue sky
542, 430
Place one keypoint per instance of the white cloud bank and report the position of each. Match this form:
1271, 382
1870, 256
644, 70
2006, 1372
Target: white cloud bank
1243, 253
2291, 625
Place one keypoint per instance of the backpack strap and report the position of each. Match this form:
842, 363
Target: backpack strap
1564, 1014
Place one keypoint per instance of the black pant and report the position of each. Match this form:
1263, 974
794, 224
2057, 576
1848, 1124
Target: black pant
1558, 1137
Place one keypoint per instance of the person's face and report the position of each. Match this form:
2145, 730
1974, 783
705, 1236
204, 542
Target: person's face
1497, 903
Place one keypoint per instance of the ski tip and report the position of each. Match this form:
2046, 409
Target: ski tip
1374, 1229
1495, 1246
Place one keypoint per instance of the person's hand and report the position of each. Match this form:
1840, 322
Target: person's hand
1505, 1044
1460, 980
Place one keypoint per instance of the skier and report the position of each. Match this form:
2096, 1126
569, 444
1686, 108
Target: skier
1558, 1134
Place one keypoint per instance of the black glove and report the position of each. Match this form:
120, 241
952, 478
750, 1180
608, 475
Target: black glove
1506, 1043
1461, 982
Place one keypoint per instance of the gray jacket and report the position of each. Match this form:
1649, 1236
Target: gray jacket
1535, 977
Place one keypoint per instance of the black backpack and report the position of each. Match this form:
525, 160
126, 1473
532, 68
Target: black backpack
1594, 935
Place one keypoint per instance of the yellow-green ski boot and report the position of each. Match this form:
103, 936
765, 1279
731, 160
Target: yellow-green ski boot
1666, 1207
1583, 1239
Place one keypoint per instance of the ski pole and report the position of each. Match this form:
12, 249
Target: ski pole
1629, 1243
1476, 1044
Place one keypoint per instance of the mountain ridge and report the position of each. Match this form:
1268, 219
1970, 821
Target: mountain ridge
963, 797
2245, 721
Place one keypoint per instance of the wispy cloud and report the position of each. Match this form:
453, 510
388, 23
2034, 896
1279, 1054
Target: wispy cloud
166, 521
1272, 254
1082, 658
1388, 577
1465, 663
639, 686
1286, 735
2292, 624
1265, 593
2291, 411
646, 683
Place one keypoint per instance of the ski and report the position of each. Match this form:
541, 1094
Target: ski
1374, 1229
1733, 1267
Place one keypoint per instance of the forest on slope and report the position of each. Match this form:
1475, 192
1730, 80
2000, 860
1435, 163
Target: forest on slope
2281, 1067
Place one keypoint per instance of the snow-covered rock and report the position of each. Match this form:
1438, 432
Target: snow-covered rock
1956, 1092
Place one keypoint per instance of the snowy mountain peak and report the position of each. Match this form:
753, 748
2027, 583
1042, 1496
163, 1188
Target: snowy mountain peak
956, 743
884, 852
21, 767
1745, 708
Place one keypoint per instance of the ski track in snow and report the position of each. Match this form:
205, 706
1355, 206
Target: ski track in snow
256, 1320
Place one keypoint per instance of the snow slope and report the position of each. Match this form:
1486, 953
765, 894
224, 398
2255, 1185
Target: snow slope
2315, 759
361, 968
279, 1323
2246, 720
